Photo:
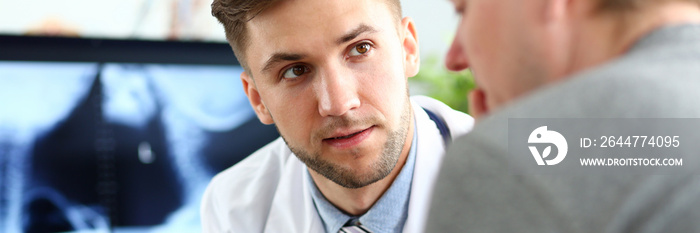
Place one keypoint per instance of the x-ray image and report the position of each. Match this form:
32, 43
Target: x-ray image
112, 147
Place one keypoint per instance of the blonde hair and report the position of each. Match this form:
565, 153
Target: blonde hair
630, 5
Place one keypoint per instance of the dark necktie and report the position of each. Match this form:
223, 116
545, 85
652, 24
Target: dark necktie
354, 226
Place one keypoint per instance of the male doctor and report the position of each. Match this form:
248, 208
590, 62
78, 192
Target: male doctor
356, 153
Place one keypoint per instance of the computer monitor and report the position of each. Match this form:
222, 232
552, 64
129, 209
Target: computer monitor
117, 135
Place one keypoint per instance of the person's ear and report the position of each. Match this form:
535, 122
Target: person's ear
254, 97
410, 47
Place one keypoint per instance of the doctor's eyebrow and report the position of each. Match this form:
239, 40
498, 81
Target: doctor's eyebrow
280, 57
362, 28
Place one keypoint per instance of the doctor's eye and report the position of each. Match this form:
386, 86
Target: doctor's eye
295, 71
360, 49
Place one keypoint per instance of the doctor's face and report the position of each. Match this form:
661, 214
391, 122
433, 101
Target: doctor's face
332, 76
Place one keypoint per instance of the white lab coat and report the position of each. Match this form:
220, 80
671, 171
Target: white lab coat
267, 191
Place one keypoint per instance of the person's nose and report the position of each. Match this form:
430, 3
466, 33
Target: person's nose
456, 59
337, 92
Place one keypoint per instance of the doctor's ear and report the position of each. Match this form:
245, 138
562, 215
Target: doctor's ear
255, 101
410, 47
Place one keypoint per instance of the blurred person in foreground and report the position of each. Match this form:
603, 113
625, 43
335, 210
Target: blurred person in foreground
587, 59
356, 153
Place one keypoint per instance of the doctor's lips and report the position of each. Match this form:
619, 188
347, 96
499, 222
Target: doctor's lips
344, 140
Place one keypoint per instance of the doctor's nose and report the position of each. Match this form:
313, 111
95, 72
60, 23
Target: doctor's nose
336, 93
456, 59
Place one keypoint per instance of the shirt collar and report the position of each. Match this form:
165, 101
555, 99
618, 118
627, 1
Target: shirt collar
383, 216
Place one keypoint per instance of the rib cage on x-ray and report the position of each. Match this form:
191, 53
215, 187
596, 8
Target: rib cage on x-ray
117, 147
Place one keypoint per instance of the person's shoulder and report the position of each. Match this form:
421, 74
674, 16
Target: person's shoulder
459, 122
242, 195
266, 163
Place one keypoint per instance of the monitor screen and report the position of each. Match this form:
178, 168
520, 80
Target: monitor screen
117, 135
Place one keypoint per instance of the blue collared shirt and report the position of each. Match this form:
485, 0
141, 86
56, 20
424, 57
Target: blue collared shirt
388, 214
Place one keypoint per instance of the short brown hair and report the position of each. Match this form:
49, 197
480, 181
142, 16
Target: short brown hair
628, 5
234, 14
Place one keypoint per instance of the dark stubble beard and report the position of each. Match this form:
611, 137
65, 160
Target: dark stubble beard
345, 177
